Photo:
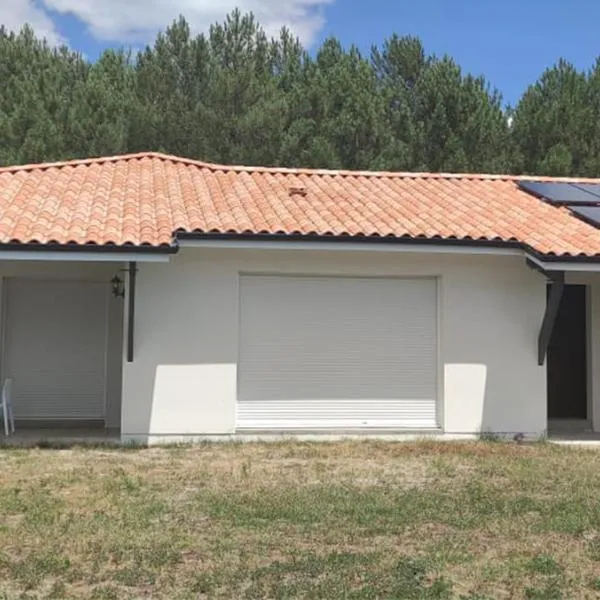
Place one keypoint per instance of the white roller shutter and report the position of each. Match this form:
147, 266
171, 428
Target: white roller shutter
335, 353
54, 348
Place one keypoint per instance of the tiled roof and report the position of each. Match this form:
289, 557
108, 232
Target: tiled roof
146, 199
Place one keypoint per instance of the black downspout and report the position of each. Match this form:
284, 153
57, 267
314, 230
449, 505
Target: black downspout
557, 286
131, 310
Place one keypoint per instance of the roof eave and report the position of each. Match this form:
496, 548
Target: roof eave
244, 240
85, 252
432, 244
187, 236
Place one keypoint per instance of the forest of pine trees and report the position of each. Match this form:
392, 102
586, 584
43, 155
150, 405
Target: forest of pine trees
234, 95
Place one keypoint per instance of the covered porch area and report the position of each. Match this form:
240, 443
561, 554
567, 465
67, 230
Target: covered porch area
63, 340
569, 348
61, 435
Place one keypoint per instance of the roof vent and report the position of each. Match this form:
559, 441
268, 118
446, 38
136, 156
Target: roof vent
298, 191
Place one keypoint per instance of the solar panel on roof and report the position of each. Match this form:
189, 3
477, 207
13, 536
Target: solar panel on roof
560, 192
590, 188
591, 214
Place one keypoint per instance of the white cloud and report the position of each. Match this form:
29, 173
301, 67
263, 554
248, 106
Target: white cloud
137, 21
15, 13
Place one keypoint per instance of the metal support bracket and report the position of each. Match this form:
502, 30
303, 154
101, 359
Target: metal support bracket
131, 310
557, 285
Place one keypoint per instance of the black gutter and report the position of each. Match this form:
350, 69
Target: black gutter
88, 248
345, 239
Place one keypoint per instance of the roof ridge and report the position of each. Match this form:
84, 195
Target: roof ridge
75, 162
292, 170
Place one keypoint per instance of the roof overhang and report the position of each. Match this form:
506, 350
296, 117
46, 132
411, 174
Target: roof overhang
345, 244
328, 243
573, 265
388, 244
42, 253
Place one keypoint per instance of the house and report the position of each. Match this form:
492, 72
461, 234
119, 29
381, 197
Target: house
172, 299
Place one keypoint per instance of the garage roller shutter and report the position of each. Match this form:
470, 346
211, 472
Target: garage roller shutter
337, 353
55, 347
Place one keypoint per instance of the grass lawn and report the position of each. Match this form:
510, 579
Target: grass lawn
292, 520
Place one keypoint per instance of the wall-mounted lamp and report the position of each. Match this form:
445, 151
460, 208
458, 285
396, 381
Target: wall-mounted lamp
118, 287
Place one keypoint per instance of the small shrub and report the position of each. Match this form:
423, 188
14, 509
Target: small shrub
544, 564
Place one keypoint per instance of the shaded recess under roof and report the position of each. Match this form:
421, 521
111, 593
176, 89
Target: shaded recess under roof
564, 193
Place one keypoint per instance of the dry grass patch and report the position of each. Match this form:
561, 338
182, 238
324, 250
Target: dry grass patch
301, 520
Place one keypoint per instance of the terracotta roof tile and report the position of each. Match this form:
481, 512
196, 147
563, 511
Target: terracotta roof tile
146, 199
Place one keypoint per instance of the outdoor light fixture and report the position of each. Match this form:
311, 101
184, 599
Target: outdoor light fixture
118, 288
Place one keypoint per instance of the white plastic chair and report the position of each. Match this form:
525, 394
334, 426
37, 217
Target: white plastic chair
6, 408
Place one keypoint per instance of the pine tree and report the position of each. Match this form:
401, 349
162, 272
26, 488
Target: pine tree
440, 118
35, 96
551, 123
98, 120
244, 109
399, 65
233, 95
337, 112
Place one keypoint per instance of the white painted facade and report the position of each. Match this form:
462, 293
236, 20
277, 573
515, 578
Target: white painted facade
183, 382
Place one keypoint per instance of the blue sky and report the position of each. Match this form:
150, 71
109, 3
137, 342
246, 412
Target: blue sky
510, 42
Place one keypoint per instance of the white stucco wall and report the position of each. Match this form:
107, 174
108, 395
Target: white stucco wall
84, 271
183, 378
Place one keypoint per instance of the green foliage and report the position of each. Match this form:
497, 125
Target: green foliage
38, 86
234, 95
552, 123
336, 114
440, 119
544, 564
